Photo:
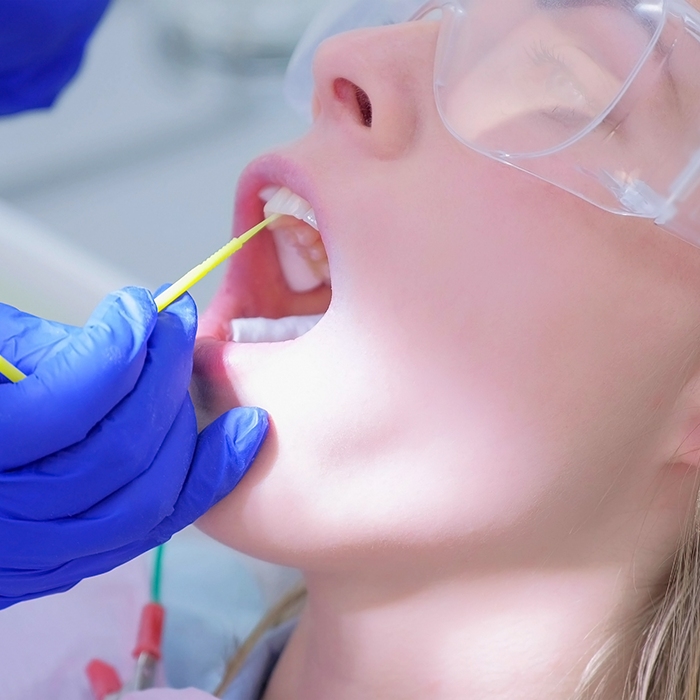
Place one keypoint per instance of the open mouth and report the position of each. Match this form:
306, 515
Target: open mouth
303, 264
276, 289
278, 286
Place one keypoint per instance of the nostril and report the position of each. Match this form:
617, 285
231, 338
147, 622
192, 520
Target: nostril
365, 105
356, 98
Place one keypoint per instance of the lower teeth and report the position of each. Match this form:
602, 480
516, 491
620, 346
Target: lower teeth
268, 330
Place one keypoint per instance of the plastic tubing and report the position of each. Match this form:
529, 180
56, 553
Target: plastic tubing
176, 290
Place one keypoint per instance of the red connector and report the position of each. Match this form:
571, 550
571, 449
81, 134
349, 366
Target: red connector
104, 680
150, 631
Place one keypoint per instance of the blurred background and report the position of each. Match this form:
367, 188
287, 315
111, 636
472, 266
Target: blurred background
130, 178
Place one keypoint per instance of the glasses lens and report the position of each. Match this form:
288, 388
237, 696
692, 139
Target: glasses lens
522, 77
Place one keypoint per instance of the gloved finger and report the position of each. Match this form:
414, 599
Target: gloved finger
129, 515
225, 451
126, 443
63, 399
25, 340
230, 447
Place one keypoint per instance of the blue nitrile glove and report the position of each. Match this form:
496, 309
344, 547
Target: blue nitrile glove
99, 454
41, 47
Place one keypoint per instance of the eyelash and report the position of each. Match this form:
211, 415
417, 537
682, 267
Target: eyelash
540, 53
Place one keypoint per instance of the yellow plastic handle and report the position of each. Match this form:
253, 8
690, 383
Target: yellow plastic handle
8, 370
176, 290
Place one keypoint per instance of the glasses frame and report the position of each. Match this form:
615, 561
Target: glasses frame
677, 212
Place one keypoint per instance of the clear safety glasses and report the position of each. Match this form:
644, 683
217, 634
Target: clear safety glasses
598, 97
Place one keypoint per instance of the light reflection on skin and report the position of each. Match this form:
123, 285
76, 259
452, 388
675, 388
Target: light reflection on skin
481, 438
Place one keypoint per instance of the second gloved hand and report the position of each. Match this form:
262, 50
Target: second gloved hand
99, 454
41, 47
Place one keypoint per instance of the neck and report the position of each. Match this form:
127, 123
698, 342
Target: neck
513, 635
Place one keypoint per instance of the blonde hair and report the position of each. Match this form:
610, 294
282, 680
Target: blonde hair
658, 656
287, 608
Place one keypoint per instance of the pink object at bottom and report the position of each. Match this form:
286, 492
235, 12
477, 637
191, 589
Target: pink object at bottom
46, 644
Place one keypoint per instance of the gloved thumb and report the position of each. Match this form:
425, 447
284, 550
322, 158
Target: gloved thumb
228, 447
225, 451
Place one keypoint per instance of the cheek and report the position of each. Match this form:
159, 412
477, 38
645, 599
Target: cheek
512, 338
488, 366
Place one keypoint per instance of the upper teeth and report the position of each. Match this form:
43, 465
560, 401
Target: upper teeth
280, 200
300, 250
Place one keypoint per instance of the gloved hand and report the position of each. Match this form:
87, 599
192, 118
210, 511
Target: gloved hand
99, 454
41, 47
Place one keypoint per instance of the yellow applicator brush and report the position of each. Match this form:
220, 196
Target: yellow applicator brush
175, 291
10, 371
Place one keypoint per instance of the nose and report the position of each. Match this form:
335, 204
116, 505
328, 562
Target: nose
378, 85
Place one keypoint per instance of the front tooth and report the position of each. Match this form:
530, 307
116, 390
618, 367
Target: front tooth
285, 202
310, 218
267, 193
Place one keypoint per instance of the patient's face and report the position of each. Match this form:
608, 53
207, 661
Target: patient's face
496, 359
